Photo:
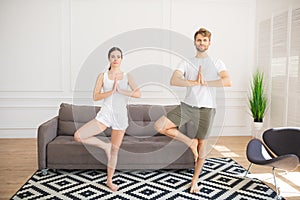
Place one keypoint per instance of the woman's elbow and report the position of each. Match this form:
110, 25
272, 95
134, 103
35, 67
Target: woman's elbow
137, 94
94, 97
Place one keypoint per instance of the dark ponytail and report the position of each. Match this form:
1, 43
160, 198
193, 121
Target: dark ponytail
114, 49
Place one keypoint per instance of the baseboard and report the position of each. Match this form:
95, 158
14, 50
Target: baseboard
18, 133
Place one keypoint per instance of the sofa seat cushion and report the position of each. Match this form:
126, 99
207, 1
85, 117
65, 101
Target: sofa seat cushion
153, 153
144, 144
135, 153
65, 150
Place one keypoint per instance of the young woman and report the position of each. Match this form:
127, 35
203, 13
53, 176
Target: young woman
112, 87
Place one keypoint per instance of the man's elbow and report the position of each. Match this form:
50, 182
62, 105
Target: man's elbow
227, 83
172, 82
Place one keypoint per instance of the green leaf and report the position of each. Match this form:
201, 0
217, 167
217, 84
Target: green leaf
257, 99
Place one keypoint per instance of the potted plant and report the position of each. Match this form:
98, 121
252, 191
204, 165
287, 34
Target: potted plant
257, 99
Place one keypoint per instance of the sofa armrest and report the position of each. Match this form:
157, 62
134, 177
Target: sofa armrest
46, 133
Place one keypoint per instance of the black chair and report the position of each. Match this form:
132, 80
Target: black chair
283, 141
285, 145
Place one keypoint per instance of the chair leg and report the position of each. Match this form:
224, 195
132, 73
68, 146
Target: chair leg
277, 189
248, 169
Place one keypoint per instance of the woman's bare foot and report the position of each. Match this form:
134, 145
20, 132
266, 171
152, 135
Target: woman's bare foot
194, 188
194, 148
112, 186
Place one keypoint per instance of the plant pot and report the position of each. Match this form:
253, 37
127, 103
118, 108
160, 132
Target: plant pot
257, 126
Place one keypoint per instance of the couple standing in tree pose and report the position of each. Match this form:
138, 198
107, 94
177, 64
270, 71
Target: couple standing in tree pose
200, 75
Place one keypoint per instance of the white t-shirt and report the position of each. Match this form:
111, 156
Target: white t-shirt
201, 96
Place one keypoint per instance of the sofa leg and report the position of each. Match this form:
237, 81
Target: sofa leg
44, 171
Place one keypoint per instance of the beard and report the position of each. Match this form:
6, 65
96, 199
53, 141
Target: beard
201, 49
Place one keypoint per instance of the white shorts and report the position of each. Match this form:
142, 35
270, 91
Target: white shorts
117, 121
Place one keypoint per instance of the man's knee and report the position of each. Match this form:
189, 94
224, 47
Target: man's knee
201, 149
160, 124
201, 142
164, 125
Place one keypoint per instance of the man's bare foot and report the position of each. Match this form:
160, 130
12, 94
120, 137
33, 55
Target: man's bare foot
194, 188
194, 148
112, 186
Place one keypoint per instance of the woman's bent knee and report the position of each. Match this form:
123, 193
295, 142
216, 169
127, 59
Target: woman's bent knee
114, 150
77, 137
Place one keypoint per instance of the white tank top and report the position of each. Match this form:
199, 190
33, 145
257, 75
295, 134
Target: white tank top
116, 102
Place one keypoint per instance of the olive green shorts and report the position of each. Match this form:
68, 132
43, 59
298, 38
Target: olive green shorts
201, 117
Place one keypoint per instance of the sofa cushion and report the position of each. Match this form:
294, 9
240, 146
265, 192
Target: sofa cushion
142, 112
154, 153
135, 153
142, 119
64, 150
71, 117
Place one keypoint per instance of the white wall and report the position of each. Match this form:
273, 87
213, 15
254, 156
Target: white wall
47, 46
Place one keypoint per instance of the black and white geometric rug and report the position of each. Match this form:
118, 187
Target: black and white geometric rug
221, 178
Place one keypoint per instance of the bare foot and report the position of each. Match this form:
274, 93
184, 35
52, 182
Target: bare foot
112, 186
194, 148
194, 188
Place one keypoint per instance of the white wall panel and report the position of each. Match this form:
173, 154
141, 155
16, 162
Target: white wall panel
96, 22
30, 50
18, 132
28, 117
46, 44
23, 122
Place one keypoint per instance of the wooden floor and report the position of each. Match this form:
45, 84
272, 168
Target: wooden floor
18, 161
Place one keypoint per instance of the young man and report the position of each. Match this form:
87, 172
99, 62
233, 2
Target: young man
200, 74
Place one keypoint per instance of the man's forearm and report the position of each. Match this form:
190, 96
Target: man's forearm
183, 83
178, 79
223, 82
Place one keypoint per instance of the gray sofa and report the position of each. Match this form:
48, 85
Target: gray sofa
142, 146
